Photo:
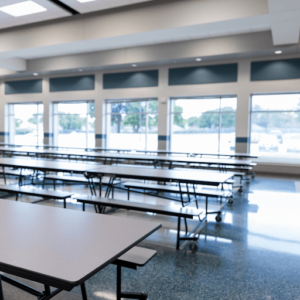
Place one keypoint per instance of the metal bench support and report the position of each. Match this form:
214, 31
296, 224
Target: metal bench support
121, 294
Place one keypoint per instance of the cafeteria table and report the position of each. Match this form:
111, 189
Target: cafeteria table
62, 248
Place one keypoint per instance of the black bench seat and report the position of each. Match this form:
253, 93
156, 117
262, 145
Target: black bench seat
135, 257
45, 194
205, 192
101, 203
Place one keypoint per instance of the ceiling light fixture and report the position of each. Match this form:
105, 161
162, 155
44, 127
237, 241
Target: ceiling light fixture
35, 74
198, 59
278, 52
134, 65
80, 70
83, 1
23, 9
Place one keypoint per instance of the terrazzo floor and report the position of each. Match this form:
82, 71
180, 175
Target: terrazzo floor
254, 253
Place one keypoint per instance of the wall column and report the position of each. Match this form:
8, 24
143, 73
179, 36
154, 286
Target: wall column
243, 107
100, 135
163, 110
3, 119
48, 129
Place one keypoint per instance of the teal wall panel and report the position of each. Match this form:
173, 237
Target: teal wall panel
130, 79
23, 87
275, 69
74, 83
203, 74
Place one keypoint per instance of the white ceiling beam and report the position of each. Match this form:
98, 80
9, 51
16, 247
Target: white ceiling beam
13, 64
286, 33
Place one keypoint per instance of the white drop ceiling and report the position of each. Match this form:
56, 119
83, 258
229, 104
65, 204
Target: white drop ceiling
99, 4
143, 26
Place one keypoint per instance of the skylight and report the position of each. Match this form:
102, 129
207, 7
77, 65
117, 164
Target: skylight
23, 9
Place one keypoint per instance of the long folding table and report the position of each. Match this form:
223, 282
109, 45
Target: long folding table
207, 178
167, 152
116, 157
62, 248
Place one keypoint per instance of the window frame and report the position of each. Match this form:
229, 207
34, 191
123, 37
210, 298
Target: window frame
220, 112
251, 112
10, 115
55, 104
129, 100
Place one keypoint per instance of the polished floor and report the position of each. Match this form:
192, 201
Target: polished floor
254, 253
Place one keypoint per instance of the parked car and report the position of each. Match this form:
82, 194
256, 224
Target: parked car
268, 142
293, 143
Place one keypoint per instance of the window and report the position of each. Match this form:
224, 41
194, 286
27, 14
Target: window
132, 124
25, 123
204, 125
275, 125
74, 124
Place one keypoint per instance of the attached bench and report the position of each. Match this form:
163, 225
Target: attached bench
205, 192
135, 257
20, 174
75, 179
45, 194
180, 212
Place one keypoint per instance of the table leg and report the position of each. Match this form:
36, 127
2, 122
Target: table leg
119, 279
83, 292
4, 176
1, 290
178, 234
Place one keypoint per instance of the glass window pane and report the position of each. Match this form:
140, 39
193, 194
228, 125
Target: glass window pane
74, 124
153, 107
228, 104
196, 105
195, 133
26, 124
72, 108
284, 102
275, 134
72, 130
227, 136
91, 130
132, 125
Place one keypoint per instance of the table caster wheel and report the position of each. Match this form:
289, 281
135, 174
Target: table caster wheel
193, 246
240, 190
218, 218
230, 201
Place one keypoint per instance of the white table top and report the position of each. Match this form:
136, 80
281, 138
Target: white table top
63, 248
201, 177
46, 165
134, 156
244, 155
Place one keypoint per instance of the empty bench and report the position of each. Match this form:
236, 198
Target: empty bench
75, 179
135, 257
180, 212
45, 194
20, 174
205, 192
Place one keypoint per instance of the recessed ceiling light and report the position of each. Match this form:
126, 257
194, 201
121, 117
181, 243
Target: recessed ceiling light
278, 52
23, 9
35, 74
80, 70
134, 65
198, 59
83, 1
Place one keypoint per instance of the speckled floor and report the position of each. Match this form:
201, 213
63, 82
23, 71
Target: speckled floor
254, 253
